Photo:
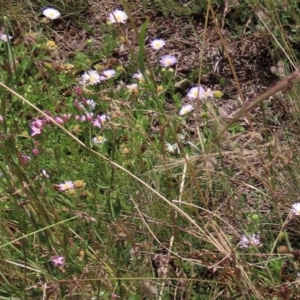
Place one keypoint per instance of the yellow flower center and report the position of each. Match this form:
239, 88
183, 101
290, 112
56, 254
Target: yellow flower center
67, 186
93, 79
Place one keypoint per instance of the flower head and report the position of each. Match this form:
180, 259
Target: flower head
172, 148
196, 93
36, 127
132, 86
296, 209
157, 44
185, 109
79, 184
99, 139
66, 117
91, 77
67, 185
168, 61
199, 93
51, 45
99, 120
25, 159
86, 117
109, 73
51, 13
58, 261
117, 16
58, 120
35, 151
249, 240
5, 37
89, 103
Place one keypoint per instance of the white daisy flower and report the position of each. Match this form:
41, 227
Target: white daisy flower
172, 149
185, 109
157, 44
99, 139
117, 16
109, 73
4, 37
132, 86
249, 240
168, 61
51, 13
91, 77
67, 185
296, 209
196, 93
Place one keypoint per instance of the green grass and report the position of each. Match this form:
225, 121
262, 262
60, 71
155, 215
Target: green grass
139, 221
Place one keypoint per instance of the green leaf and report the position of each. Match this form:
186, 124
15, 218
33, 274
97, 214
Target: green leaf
141, 56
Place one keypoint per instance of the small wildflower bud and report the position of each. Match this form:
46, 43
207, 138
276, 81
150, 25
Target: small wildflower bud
121, 69
76, 129
122, 39
66, 117
71, 192
79, 184
125, 151
204, 115
58, 120
89, 42
21, 82
281, 236
51, 45
261, 29
25, 159
217, 94
81, 255
255, 217
160, 88
170, 70
78, 90
35, 151
283, 250
68, 67
163, 70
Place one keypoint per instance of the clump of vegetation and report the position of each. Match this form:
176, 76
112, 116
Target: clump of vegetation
148, 157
